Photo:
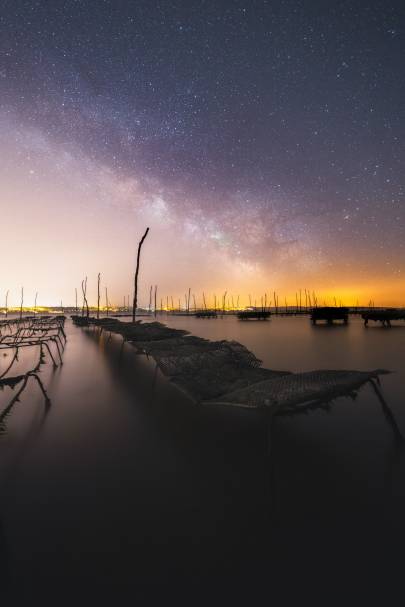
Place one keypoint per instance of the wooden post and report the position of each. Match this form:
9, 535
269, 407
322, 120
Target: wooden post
106, 299
22, 301
76, 300
85, 302
98, 295
136, 275
7, 304
155, 300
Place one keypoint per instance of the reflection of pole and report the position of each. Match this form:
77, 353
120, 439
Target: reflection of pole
389, 416
269, 468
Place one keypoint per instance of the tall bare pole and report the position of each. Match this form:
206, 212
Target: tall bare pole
106, 300
7, 303
136, 275
155, 310
98, 295
76, 300
150, 299
35, 302
85, 302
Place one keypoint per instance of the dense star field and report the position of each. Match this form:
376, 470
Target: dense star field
261, 141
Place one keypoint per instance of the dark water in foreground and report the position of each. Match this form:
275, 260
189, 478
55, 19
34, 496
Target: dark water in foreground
124, 492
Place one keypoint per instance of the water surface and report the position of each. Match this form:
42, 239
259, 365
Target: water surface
123, 490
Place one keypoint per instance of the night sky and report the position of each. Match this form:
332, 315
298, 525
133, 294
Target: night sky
262, 142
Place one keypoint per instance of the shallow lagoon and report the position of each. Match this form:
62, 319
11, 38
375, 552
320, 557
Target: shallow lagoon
125, 490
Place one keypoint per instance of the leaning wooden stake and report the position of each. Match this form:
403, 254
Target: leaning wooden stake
135, 303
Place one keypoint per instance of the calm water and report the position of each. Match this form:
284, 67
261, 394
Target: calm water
125, 491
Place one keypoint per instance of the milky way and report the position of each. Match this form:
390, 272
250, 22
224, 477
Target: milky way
261, 141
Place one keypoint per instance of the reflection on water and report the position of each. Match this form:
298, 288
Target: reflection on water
128, 491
